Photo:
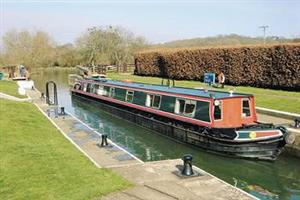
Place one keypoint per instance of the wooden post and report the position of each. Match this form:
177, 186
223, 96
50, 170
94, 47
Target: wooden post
125, 68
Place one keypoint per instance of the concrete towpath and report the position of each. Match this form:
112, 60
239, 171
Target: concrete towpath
272, 119
160, 181
153, 180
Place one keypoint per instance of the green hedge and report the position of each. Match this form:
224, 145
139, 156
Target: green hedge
269, 67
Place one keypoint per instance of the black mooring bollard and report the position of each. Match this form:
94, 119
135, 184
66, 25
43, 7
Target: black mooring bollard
297, 123
187, 165
104, 140
62, 111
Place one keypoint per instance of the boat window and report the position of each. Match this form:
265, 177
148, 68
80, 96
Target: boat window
149, 100
203, 111
185, 107
189, 107
218, 111
84, 87
180, 106
100, 90
156, 101
112, 92
129, 96
153, 101
246, 108
89, 87
95, 89
106, 91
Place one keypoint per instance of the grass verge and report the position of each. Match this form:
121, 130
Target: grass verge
10, 88
37, 162
273, 99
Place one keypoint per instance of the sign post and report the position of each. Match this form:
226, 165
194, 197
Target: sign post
210, 78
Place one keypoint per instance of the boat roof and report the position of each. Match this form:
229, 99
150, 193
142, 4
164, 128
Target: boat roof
178, 90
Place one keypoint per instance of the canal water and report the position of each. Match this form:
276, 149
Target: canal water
265, 180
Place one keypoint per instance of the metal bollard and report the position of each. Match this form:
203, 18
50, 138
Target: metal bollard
297, 123
62, 111
56, 111
187, 165
104, 140
42, 95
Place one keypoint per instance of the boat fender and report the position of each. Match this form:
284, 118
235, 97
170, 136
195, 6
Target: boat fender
77, 86
288, 137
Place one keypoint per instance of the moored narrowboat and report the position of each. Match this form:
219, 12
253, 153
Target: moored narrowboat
221, 122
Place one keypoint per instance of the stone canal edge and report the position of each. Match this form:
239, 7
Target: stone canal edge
157, 180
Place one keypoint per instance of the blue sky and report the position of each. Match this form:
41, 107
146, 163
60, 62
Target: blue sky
157, 21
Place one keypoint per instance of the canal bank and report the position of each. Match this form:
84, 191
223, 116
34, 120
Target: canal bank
158, 180
37, 162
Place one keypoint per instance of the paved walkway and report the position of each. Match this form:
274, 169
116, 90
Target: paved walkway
153, 180
160, 181
274, 120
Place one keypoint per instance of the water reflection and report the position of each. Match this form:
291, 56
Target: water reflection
266, 180
60, 77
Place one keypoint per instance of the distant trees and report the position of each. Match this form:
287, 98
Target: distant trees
224, 40
109, 45
2, 61
31, 49
66, 56
98, 45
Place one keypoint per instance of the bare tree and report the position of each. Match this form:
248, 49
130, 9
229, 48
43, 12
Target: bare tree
31, 49
98, 45
110, 45
66, 56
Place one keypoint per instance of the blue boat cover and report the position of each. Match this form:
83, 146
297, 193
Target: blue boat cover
179, 90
